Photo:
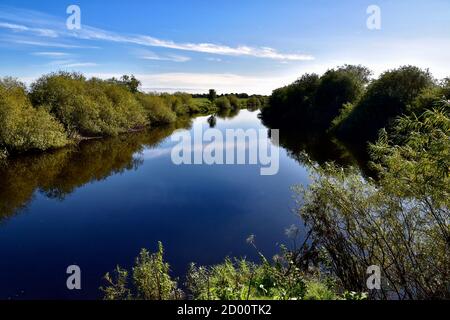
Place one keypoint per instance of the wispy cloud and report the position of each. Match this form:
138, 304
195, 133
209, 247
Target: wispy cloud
21, 28
38, 43
148, 55
213, 59
72, 64
211, 48
50, 54
56, 28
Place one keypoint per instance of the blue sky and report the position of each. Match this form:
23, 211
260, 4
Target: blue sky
233, 46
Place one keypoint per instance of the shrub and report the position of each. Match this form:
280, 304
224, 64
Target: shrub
93, 107
234, 102
223, 103
150, 280
253, 103
158, 112
400, 222
22, 127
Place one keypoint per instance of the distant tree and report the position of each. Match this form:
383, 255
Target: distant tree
234, 101
253, 103
223, 103
212, 95
131, 83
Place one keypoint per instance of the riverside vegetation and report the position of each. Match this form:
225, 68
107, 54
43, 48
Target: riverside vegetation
62, 108
398, 220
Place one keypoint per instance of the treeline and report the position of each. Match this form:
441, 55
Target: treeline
61, 108
351, 105
235, 101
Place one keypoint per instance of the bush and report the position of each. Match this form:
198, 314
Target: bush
254, 103
400, 222
22, 127
234, 102
234, 279
223, 103
150, 280
158, 112
92, 108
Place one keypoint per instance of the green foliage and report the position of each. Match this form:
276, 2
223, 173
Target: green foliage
156, 108
223, 103
88, 107
385, 99
316, 290
254, 103
212, 95
234, 279
316, 101
337, 88
400, 222
234, 102
22, 127
129, 82
150, 280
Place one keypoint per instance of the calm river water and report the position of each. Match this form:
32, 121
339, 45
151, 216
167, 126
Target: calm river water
98, 204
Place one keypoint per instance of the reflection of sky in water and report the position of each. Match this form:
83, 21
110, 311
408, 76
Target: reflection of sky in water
245, 121
201, 213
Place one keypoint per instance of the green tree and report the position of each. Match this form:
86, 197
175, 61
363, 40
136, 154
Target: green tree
23, 128
212, 95
400, 222
223, 103
385, 99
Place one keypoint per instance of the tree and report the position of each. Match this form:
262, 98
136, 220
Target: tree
223, 103
212, 95
337, 88
400, 222
23, 128
131, 83
385, 99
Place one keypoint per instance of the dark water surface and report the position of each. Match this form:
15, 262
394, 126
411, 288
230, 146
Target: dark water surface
98, 204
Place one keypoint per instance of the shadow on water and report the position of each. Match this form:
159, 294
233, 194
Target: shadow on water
307, 144
59, 173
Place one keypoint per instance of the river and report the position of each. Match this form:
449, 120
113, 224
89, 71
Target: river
96, 205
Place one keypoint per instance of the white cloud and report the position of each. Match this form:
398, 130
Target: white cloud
21, 28
50, 54
90, 33
72, 64
50, 44
148, 55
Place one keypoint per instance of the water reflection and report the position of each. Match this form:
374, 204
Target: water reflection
115, 196
307, 145
57, 174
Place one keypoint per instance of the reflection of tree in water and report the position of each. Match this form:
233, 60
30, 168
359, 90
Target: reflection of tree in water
57, 174
308, 145
212, 121
229, 113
